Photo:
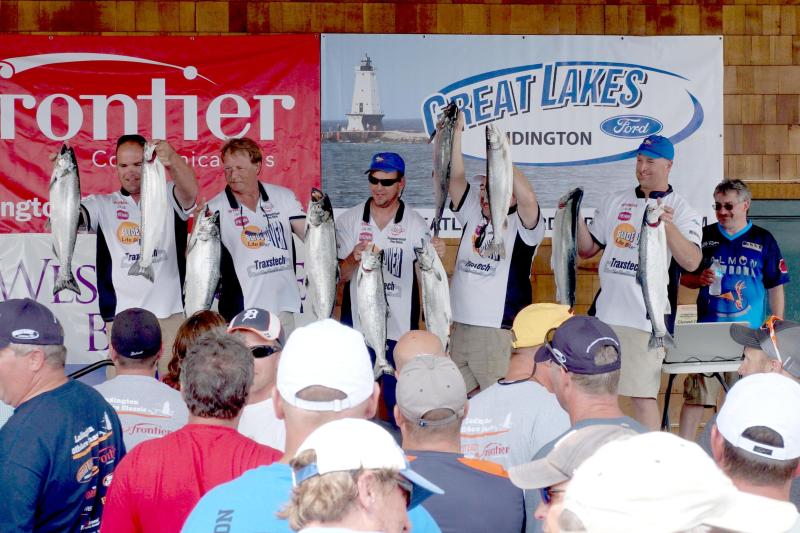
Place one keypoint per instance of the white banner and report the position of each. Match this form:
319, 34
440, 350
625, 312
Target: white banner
575, 108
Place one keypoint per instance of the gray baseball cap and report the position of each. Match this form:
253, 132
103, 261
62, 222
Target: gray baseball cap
785, 349
431, 382
567, 455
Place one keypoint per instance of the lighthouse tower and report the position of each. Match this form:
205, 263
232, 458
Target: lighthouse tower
365, 113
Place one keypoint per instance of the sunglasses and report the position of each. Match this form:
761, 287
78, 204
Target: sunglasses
547, 494
558, 355
770, 323
259, 352
406, 486
728, 206
385, 182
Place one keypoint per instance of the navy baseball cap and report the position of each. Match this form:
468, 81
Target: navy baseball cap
585, 345
657, 146
26, 321
263, 323
387, 162
136, 333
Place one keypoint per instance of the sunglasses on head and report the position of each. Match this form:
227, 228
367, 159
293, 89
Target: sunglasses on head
547, 494
727, 205
770, 324
260, 352
388, 182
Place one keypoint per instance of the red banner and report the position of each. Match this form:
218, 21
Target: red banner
193, 91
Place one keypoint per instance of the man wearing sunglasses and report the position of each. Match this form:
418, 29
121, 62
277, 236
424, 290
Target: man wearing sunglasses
262, 333
387, 222
615, 230
753, 271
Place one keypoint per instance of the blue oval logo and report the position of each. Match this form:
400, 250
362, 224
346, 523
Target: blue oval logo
631, 126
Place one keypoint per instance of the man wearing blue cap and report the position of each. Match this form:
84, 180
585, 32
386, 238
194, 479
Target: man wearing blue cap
386, 222
620, 303
59, 449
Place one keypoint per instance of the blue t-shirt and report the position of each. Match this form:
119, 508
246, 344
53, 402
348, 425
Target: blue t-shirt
57, 455
251, 502
752, 263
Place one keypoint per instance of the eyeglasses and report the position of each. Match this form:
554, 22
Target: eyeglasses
388, 182
406, 486
558, 355
727, 205
547, 494
259, 352
770, 323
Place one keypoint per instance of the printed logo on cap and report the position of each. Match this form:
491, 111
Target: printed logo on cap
250, 314
25, 334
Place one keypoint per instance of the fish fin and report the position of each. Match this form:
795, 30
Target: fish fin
438, 275
66, 282
495, 249
48, 225
138, 270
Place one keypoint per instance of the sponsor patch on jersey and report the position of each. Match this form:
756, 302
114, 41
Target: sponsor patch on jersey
107, 454
87, 471
624, 236
782, 266
91, 493
396, 230
365, 236
709, 244
752, 245
253, 237
624, 216
268, 207
128, 233
107, 480
241, 221
122, 214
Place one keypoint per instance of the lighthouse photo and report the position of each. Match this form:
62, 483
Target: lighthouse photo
365, 113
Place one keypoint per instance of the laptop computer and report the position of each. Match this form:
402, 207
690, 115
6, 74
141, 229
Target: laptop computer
705, 342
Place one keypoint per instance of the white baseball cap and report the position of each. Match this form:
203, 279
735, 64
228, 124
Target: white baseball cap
660, 483
329, 354
767, 400
354, 444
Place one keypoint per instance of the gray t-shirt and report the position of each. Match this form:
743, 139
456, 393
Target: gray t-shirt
508, 423
147, 408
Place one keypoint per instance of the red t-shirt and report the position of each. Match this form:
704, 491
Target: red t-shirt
158, 483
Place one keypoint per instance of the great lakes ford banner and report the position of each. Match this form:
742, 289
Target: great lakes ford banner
575, 108
193, 91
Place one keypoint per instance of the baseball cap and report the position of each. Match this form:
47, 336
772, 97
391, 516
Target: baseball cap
263, 323
431, 382
766, 400
328, 354
657, 146
354, 444
534, 321
136, 333
387, 162
660, 483
568, 453
787, 340
26, 321
579, 341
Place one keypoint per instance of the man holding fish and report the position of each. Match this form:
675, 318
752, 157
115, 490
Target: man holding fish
386, 225
491, 282
635, 294
118, 220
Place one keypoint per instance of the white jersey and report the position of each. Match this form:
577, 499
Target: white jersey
259, 422
489, 292
397, 240
258, 261
116, 219
616, 226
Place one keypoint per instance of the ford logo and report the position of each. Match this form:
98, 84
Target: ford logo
631, 126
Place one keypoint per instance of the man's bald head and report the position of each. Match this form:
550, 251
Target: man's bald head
414, 343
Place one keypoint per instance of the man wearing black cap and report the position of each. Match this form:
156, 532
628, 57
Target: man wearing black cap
385, 221
147, 408
59, 449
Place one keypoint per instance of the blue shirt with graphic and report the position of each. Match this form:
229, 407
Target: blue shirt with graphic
751, 263
251, 503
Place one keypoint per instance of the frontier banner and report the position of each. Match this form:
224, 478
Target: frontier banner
194, 92
575, 108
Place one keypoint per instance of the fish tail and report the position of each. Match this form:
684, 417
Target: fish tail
138, 270
382, 368
663, 341
66, 281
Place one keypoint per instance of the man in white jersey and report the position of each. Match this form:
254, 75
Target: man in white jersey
116, 218
486, 292
256, 220
620, 303
387, 222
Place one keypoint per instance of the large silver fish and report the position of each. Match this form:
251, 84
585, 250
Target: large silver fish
442, 154
65, 208
435, 292
154, 206
321, 264
373, 307
202, 264
564, 257
653, 274
499, 187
